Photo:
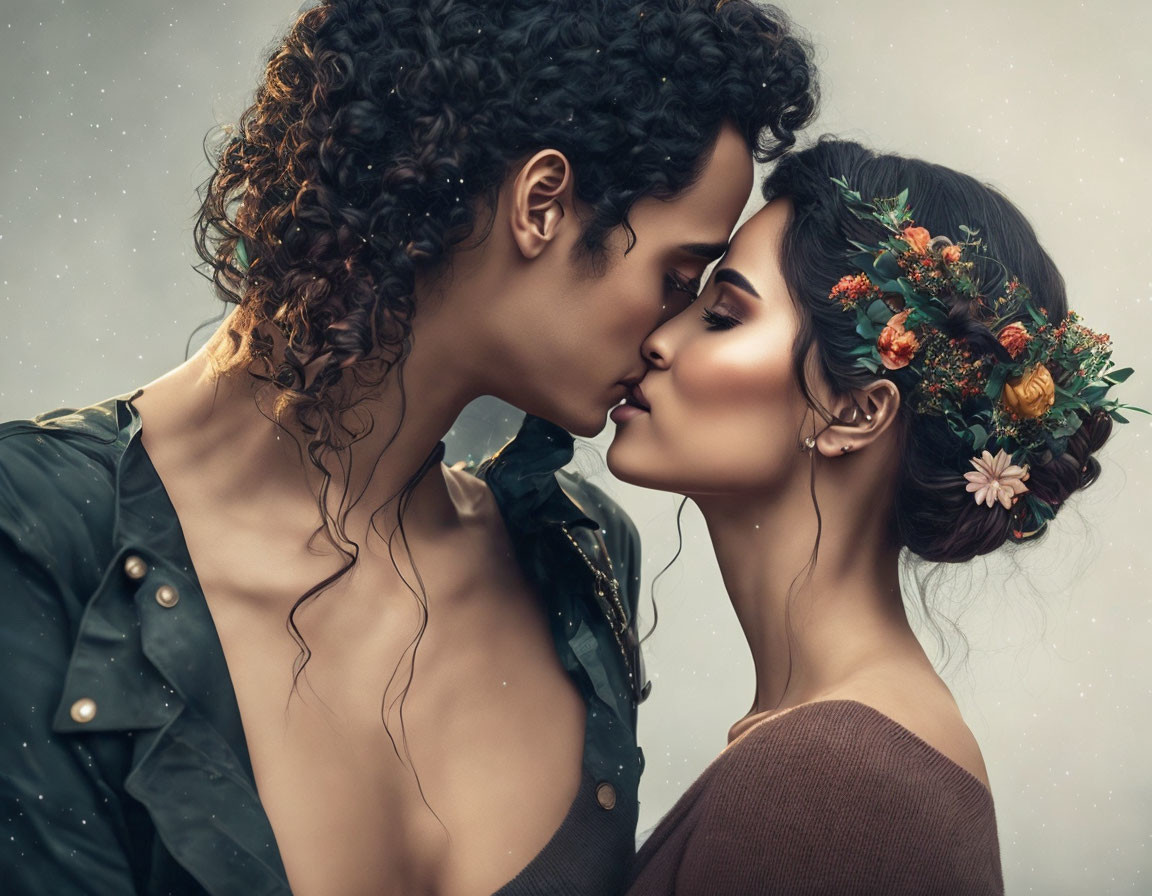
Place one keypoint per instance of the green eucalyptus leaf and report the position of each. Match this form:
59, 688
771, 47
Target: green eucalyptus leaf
879, 312
910, 293
887, 266
1118, 376
1093, 394
917, 317
851, 196
996, 381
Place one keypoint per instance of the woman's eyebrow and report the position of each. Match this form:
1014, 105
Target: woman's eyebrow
731, 275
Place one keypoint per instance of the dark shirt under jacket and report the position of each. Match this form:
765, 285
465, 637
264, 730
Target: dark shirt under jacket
123, 763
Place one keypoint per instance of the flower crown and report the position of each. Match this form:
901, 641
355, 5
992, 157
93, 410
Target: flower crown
1023, 394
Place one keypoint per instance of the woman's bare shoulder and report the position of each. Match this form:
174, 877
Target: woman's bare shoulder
919, 703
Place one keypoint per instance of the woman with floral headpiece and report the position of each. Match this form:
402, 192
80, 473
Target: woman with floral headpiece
883, 365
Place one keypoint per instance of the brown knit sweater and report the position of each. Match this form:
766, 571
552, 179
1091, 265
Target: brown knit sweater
831, 797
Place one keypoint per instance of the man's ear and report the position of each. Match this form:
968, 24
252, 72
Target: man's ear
540, 194
862, 416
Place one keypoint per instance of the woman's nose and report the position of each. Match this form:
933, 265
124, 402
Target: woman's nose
657, 348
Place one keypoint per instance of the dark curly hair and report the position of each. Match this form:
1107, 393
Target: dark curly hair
934, 517
382, 131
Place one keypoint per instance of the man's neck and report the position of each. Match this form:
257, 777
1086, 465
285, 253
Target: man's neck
221, 424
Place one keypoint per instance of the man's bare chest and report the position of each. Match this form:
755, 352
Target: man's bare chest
389, 755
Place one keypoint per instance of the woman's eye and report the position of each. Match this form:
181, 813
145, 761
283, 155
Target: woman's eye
678, 283
717, 321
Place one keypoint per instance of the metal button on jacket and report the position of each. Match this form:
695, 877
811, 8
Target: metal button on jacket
83, 710
167, 596
606, 795
135, 567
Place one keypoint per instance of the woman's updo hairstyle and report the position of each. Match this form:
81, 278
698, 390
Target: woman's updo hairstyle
934, 516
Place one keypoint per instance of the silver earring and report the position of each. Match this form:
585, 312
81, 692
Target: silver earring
868, 417
844, 449
809, 443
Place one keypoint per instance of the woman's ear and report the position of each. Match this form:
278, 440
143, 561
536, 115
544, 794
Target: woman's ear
540, 192
862, 416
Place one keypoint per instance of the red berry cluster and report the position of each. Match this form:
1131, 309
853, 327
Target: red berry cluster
852, 290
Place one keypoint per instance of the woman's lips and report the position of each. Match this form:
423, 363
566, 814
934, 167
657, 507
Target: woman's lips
636, 397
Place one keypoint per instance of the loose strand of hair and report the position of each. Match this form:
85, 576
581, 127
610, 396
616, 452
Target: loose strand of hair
668, 566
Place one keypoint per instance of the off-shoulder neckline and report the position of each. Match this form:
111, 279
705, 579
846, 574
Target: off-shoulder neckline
906, 734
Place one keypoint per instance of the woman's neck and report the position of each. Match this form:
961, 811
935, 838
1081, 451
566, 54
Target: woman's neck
810, 628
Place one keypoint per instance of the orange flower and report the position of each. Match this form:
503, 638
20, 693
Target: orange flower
950, 254
896, 344
1014, 338
851, 289
1030, 395
917, 238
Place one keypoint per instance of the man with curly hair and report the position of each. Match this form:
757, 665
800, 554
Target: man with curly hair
265, 640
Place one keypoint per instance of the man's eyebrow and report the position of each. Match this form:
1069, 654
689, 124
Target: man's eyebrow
731, 275
709, 251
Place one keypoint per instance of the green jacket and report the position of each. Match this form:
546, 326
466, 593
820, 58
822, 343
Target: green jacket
123, 764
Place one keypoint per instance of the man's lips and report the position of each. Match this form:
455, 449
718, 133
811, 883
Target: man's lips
634, 405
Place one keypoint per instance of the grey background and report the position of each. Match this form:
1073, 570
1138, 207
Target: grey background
103, 112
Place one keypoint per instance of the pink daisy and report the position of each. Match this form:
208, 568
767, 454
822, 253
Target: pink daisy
996, 479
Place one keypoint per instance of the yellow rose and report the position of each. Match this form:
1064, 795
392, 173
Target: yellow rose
1032, 394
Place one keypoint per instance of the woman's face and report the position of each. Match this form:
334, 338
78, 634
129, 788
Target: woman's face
567, 339
724, 410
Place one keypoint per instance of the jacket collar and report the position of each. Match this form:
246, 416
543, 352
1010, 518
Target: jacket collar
153, 666
562, 547
522, 476
128, 616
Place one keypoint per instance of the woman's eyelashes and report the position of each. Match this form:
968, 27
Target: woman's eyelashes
718, 320
677, 282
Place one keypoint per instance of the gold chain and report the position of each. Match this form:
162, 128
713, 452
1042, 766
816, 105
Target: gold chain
619, 625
